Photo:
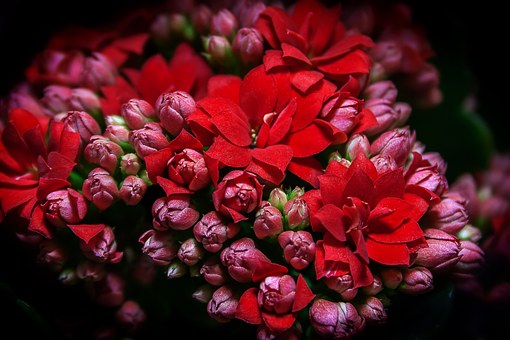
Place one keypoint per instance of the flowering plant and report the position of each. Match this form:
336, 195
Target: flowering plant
252, 158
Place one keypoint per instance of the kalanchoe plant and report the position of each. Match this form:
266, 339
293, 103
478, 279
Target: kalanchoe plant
255, 159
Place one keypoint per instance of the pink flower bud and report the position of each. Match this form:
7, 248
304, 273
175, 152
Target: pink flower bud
384, 163
132, 190
248, 11
201, 19
339, 283
148, 140
130, 164
218, 47
90, 271
80, 122
277, 198
470, 233
108, 292
357, 144
238, 193
102, 247
190, 252
173, 108
449, 214
384, 89
296, 213
212, 231
100, 188
159, 245
22, 96
214, 272
471, 257
61, 67
391, 277
442, 252
116, 133
268, 221
83, 99
338, 320
176, 270
349, 294
342, 111
56, 98
360, 17
436, 159
466, 186
203, 293
174, 212
136, 113
276, 294
298, 248
103, 152
223, 304
249, 45
52, 255
389, 54
130, 315
374, 288
188, 169
223, 23
241, 259
98, 71
429, 178
416, 280
373, 311
395, 143
66, 206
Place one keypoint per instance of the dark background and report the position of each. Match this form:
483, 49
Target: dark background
470, 41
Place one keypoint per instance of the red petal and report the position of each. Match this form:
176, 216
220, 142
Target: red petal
202, 126
356, 62
248, 307
409, 231
331, 187
265, 269
48, 185
273, 59
361, 274
419, 205
308, 169
388, 254
331, 218
390, 184
282, 124
278, 323
115, 95
134, 43
171, 188
389, 214
304, 80
229, 154
347, 44
273, 24
12, 198
86, 231
292, 52
278, 156
156, 163
366, 121
185, 140
304, 294
154, 78
224, 85
60, 166
334, 250
313, 139
37, 224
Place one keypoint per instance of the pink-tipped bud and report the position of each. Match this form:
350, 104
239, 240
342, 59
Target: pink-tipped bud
296, 213
339, 283
174, 212
201, 19
436, 159
102, 247
391, 277
100, 188
223, 304
117, 133
449, 215
90, 271
173, 108
132, 190
52, 254
268, 221
218, 47
159, 245
466, 186
242, 259
384, 163
80, 122
470, 233
98, 71
83, 99
103, 152
395, 143
276, 294
56, 98
66, 206
374, 288
277, 198
203, 293
213, 231
249, 45
188, 169
223, 23
373, 311
130, 315
298, 248
416, 280
442, 252
248, 11
136, 113
471, 257
349, 294
176, 269
22, 96
338, 320
342, 111
429, 178
214, 272
148, 140
358, 144
384, 89
389, 55
190, 252
130, 164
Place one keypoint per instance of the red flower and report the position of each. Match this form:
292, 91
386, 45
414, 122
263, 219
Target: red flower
31, 167
365, 216
312, 41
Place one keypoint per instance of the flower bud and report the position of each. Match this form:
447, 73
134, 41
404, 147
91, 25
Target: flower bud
449, 215
339, 283
56, 98
373, 311
173, 108
429, 178
391, 277
148, 140
159, 245
389, 55
102, 247
223, 23
174, 212
357, 144
442, 252
296, 213
466, 186
384, 89
98, 71
218, 47
242, 258
203, 293
338, 320
90, 271
130, 315
395, 143
416, 280
103, 152
132, 190
342, 112
249, 45
276, 294
471, 257
349, 294
268, 221
176, 269
130, 164
52, 255
223, 304
375, 287
293, 333
384, 163
436, 159
201, 19
190, 252
108, 292
212, 231
298, 248
83, 99
80, 122
65, 206
277, 198
188, 169
22, 96
214, 272
136, 113
248, 11
100, 188
470, 233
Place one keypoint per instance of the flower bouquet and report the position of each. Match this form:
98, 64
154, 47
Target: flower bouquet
245, 167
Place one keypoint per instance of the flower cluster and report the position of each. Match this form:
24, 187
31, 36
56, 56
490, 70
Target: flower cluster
259, 153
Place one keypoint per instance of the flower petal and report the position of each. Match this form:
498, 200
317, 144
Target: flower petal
331, 218
86, 231
265, 269
229, 154
278, 323
308, 169
304, 294
388, 254
248, 307
324, 135
224, 85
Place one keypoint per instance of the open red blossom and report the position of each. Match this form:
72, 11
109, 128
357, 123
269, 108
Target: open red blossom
312, 41
32, 166
186, 71
262, 125
365, 217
